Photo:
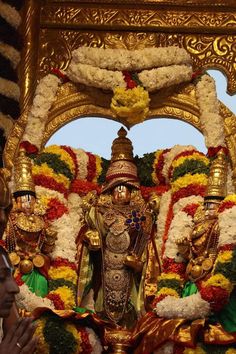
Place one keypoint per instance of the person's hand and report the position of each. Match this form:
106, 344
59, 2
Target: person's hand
19, 339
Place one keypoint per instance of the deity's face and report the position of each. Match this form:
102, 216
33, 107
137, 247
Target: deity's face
26, 203
121, 195
211, 208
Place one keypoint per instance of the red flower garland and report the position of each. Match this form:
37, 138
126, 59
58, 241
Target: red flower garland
62, 262
82, 187
28, 147
91, 167
130, 83
226, 205
49, 182
170, 266
19, 280
56, 209
212, 151
191, 189
159, 167
85, 344
57, 301
57, 72
146, 191
191, 209
72, 155
228, 247
216, 296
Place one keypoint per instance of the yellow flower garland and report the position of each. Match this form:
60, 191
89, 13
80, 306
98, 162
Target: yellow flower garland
225, 256
169, 276
132, 104
98, 168
197, 350
219, 280
64, 156
230, 198
154, 176
182, 182
167, 291
63, 272
45, 170
66, 295
70, 327
42, 346
195, 156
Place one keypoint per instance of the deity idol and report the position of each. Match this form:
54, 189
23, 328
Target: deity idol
117, 257
28, 238
203, 315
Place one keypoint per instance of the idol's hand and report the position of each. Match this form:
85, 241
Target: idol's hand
93, 240
133, 262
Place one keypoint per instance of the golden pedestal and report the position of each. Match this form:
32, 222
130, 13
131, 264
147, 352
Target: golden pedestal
119, 340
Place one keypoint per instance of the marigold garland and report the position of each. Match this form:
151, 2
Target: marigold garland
63, 272
131, 104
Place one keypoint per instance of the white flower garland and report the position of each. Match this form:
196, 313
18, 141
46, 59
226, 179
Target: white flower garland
6, 123
181, 227
131, 60
67, 228
161, 219
94, 341
82, 161
183, 202
227, 226
191, 307
44, 97
10, 53
10, 89
211, 120
10, 14
152, 80
29, 301
167, 348
47, 192
169, 157
159, 78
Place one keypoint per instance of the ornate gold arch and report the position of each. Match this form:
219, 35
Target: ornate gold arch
52, 29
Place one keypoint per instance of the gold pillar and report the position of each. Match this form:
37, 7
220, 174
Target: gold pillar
28, 69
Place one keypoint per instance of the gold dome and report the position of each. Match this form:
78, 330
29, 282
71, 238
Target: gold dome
216, 187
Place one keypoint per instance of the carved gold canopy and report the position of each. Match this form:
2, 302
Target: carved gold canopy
53, 29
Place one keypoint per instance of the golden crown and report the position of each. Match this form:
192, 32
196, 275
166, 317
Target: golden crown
122, 169
23, 179
216, 187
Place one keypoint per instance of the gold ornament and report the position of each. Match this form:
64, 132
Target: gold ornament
23, 180
122, 169
38, 261
207, 264
14, 258
26, 266
32, 223
216, 187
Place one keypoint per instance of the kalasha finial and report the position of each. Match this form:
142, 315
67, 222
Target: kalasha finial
122, 148
216, 187
23, 179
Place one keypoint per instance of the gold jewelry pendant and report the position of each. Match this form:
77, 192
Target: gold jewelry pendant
38, 261
26, 266
207, 264
14, 258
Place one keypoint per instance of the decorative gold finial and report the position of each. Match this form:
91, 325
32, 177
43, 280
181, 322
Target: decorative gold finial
23, 179
122, 170
216, 187
122, 148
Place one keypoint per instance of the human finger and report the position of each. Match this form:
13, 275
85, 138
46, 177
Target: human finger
11, 333
27, 335
30, 347
22, 327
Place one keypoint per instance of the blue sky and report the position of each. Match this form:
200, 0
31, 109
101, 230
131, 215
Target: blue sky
96, 134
